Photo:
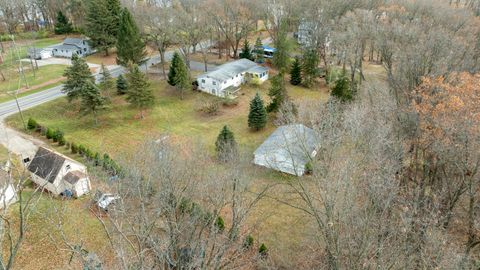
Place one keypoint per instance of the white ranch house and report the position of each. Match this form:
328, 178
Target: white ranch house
226, 79
288, 149
58, 173
68, 47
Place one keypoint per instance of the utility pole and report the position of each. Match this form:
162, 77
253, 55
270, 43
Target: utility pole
19, 61
15, 96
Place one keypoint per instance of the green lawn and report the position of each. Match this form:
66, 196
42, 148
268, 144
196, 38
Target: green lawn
44, 76
120, 128
10, 56
3, 154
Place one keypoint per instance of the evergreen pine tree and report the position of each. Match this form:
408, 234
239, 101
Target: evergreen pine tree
114, 8
92, 100
122, 85
246, 51
173, 68
102, 24
296, 73
139, 93
106, 81
257, 117
309, 67
225, 146
181, 79
78, 74
62, 25
342, 89
258, 51
130, 46
277, 93
281, 57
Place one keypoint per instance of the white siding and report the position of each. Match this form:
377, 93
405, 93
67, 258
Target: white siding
7, 196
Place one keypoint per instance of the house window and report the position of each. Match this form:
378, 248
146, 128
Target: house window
84, 49
203, 81
67, 167
214, 83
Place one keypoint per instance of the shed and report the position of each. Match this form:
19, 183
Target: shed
288, 149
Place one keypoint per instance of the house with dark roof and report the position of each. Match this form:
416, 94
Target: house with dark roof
70, 46
8, 194
227, 78
288, 149
58, 173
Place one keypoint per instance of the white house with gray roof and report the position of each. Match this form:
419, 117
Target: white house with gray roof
226, 79
288, 149
58, 173
69, 46
72, 46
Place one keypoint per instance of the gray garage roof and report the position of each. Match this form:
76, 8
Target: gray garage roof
295, 142
231, 69
73, 177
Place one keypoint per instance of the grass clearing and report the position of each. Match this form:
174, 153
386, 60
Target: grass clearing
3, 154
45, 76
120, 129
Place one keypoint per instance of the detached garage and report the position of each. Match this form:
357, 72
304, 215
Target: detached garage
59, 174
288, 149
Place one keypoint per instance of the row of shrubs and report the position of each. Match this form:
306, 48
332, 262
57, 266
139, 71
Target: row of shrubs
58, 136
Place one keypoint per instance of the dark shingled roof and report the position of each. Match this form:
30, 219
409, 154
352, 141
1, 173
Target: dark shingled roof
46, 164
73, 177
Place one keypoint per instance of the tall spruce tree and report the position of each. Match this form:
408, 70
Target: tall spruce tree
180, 78
342, 89
92, 100
258, 51
296, 72
257, 117
102, 24
62, 25
281, 58
173, 68
310, 67
122, 85
106, 81
139, 93
246, 51
78, 74
277, 93
114, 8
226, 146
130, 45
